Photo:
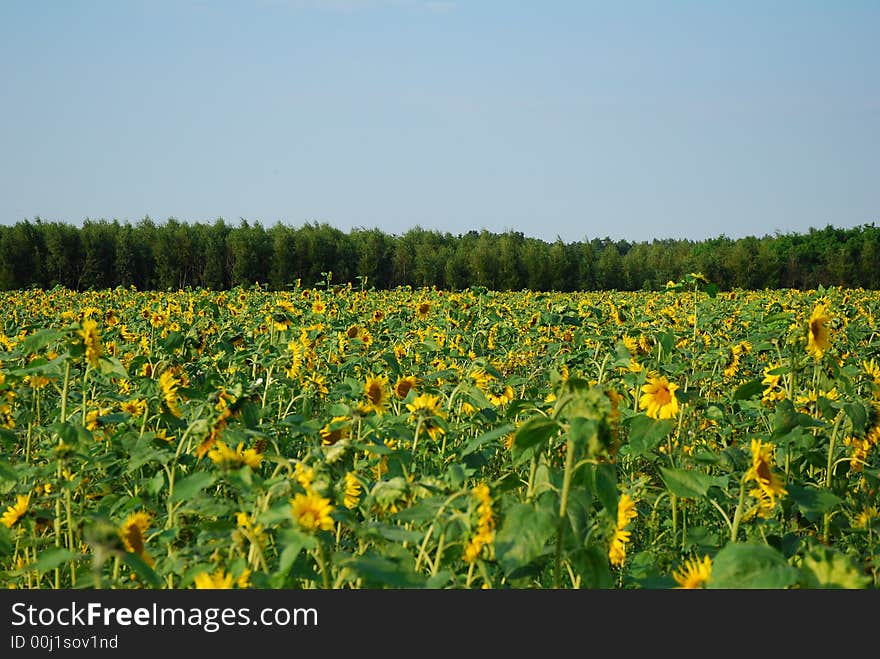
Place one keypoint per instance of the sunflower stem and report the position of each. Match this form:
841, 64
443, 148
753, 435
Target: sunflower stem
321, 556
737, 515
563, 505
826, 521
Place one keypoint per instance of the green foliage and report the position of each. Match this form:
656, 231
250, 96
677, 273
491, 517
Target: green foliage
177, 255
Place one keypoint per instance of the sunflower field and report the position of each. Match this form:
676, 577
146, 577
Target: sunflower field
337, 437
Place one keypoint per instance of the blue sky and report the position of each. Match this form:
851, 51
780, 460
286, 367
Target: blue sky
573, 119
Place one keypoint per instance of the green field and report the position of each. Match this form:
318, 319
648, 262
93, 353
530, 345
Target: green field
342, 438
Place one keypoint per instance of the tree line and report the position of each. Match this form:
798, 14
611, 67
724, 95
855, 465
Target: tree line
218, 255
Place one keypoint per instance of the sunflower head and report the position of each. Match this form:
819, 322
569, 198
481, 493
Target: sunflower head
312, 511
818, 337
133, 533
695, 573
404, 385
658, 398
768, 484
376, 395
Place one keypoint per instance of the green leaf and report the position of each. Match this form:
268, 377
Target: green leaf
667, 341
602, 480
824, 567
591, 564
486, 438
387, 492
113, 367
686, 484
785, 419
579, 512
523, 536
7, 544
250, 415
748, 390
645, 434
393, 365
140, 568
52, 558
293, 541
376, 530
813, 502
173, 341
857, 414
141, 452
743, 565
591, 437
7, 472
380, 571
39, 340
536, 430
425, 510
188, 487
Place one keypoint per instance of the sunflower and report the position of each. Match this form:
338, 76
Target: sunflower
695, 573
375, 391
865, 518
338, 428
133, 533
16, 511
818, 341
425, 405
226, 457
502, 397
312, 511
626, 512
769, 484
135, 406
317, 383
658, 398
168, 385
296, 359
403, 386
352, 490
485, 534
427, 408
218, 580
91, 341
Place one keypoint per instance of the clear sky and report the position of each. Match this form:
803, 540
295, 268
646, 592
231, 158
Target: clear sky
573, 119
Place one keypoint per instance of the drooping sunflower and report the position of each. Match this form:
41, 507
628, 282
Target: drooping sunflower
312, 511
485, 533
818, 337
337, 429
768, 482
695, 573
626, 512
91, 340
658, 398
133, 534
352, 492
168, 385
